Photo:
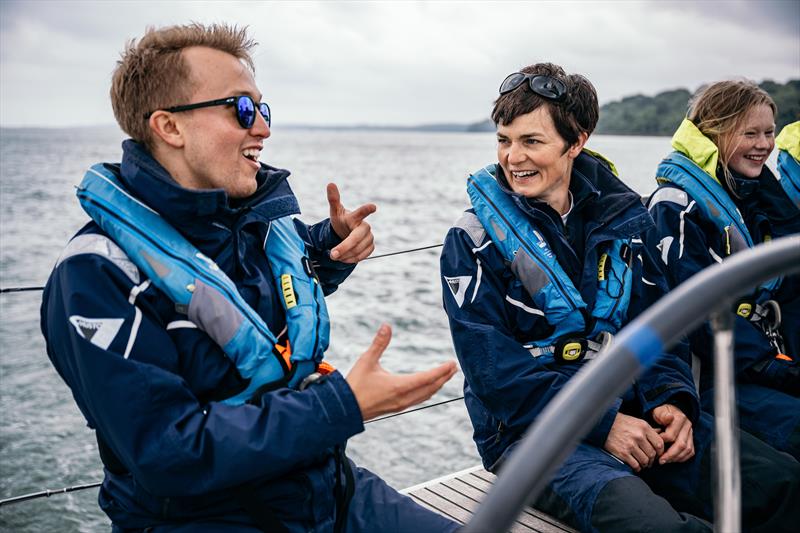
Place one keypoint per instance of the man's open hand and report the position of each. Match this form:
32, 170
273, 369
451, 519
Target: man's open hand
379, 392
356, 234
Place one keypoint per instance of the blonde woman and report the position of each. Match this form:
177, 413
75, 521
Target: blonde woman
715, 197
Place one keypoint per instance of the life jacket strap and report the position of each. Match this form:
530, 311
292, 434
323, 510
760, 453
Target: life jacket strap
573, 349
767, 317
343, 489
285, 351
325, 368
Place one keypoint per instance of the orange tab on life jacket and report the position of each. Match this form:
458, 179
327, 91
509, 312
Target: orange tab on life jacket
325, 368
286, 353
783, 357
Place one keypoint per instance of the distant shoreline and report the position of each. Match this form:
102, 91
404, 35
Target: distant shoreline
637, 115
432, 128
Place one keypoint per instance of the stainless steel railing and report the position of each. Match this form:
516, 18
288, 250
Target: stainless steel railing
575, 410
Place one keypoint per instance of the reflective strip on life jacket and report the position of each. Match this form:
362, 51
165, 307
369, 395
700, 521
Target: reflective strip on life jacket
206, 294
573, 350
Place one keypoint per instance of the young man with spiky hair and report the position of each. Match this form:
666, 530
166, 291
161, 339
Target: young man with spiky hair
188, 317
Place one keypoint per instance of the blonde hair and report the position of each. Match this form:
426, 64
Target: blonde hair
152, 74
719, 110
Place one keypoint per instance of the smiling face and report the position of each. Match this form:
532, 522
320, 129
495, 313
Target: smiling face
217, 153
748, 146
534, 158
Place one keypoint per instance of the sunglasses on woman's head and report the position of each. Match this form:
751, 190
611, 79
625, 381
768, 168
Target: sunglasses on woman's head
545, 86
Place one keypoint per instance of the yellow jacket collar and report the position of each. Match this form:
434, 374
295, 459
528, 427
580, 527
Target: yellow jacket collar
603, 158
789, 139
691, 142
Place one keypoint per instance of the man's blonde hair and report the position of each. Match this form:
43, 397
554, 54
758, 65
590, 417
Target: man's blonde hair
152, 74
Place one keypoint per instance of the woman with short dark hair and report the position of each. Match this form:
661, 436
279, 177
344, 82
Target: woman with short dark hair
537, 277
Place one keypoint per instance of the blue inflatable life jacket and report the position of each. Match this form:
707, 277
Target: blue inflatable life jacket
789, 169
713, 202
535, 265
788, 142
209, 297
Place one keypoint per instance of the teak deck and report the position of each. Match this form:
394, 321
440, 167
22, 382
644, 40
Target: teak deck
456, 496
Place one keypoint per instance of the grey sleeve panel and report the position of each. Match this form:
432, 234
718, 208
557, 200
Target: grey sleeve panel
738, 241
473, 227
214, 314
669, 194
528, 272
93, 243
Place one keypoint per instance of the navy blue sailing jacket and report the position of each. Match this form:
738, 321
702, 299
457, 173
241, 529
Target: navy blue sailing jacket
148, 381
695, 243
492, 316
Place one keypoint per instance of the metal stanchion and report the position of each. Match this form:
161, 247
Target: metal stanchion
728, 489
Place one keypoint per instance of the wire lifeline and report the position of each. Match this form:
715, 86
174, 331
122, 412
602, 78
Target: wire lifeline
412, 410
404, 251
26, 289
75, 488
48, 493
20, 289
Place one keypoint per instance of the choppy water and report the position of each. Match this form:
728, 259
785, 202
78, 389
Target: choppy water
417, 180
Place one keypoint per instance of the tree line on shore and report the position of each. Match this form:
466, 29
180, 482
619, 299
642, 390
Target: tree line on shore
661, 114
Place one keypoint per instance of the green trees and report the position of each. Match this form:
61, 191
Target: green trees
661, 114
787, 98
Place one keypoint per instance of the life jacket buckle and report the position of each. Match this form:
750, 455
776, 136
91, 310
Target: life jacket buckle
626, 254
308, 266
570, 349
744, 308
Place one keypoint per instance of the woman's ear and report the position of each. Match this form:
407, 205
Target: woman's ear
166, 128
576, 148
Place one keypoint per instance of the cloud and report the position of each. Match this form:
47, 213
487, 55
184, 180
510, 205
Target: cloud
396, 62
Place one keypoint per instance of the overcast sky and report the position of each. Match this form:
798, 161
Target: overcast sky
396, 62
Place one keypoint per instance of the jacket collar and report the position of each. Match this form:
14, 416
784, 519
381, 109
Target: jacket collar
143, 176
789, 139
691, 142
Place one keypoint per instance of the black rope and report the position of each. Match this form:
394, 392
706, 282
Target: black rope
26, 289
48, 493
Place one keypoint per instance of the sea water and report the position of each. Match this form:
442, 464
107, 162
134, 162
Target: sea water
417, 181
